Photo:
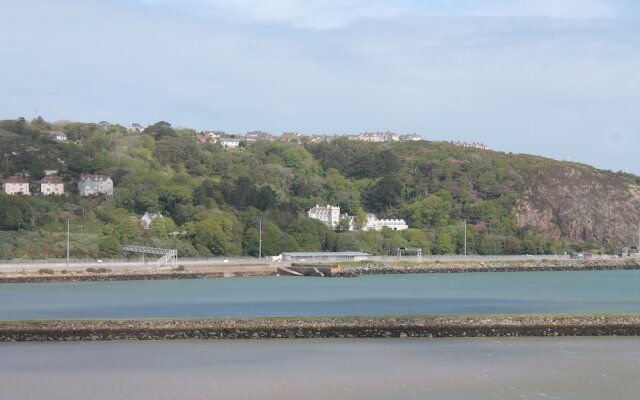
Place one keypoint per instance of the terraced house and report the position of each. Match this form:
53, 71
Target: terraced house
95, 185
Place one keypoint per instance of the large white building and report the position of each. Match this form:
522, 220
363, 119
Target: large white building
328, 214
373, 223
331, 216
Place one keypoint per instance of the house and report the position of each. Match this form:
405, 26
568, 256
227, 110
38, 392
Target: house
95, 185
58, 136
373, 223
51, 185
229, 143
378, 137
147, 219
135, 128
257, 135
328, 214
16, 185
411, 138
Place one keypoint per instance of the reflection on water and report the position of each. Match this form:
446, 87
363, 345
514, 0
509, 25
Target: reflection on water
476, 293
516, 368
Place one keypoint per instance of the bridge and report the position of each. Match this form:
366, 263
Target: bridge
168, 256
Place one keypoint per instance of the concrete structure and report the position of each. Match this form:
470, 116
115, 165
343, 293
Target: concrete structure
16, 185
58, 136
326, 256
51, 185
95, 185
330, 215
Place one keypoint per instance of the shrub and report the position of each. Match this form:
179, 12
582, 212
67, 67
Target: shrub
48, 271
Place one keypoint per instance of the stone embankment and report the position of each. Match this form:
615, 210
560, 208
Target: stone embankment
436, 267
356, 327
139, 275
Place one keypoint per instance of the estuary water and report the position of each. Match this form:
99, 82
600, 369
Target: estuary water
457, 369
468, 293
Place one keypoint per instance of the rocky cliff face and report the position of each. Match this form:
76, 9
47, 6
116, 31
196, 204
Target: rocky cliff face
581, 203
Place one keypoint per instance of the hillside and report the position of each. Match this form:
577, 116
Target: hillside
213, 198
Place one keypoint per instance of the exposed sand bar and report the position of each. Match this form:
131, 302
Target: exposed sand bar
322, 327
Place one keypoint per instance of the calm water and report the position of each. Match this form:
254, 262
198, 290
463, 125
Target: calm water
522, 292
460, 369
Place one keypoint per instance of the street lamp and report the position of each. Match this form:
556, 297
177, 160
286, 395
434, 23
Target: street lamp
67, 242
465, 237
260, 241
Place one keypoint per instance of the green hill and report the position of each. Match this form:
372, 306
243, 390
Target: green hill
213, 198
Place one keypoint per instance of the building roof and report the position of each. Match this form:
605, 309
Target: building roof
52, 179
57, 134
94, 177
15, 179
327, 254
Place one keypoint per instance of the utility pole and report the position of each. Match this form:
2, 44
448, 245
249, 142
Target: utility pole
260, 241
67, 242
465, 237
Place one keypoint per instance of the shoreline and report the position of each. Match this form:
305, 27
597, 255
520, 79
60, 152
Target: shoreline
340, 270
322, 327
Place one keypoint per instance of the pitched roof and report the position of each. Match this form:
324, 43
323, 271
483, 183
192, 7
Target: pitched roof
15, 179
94, 177
52, 179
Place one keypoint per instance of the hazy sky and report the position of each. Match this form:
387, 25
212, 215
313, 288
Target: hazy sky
559, 78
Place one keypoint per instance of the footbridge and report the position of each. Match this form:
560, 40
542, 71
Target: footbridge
168, 257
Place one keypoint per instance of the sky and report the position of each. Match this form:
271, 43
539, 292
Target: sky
558, 78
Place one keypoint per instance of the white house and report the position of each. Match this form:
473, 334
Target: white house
328, 214
58, 136
373, 223
147, 219
51, 185
135, 128
229, 143
378, 137
331, 216
94, 185
16, 185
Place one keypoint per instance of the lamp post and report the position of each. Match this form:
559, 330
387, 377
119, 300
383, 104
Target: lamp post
260, 241
67, 242
465, 237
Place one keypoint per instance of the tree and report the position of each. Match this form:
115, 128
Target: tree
109, 247
384, 194
444, 244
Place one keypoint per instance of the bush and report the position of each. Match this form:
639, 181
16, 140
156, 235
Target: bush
48, 271
101, 270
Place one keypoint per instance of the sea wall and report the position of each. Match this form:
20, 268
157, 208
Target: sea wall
432, 327
545, 265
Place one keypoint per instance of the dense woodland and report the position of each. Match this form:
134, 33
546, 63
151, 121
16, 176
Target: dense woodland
213, 198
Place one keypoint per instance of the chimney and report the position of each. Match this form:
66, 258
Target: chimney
81, 177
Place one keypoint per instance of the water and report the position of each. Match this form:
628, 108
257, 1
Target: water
460, 369
473, 293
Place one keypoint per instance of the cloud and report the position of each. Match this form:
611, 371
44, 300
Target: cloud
331, 14
313, 14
